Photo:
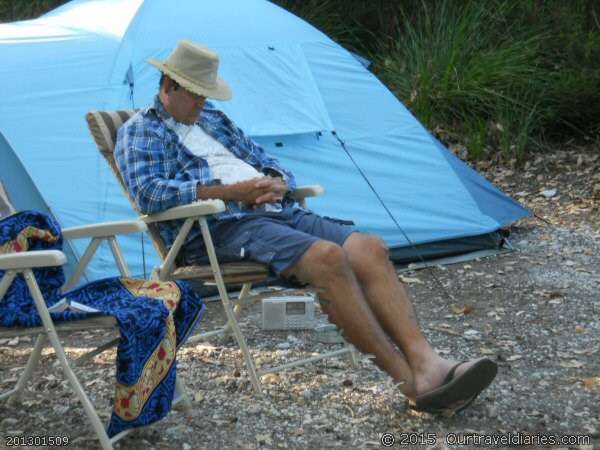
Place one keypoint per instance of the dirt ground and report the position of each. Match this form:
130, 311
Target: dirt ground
536, 311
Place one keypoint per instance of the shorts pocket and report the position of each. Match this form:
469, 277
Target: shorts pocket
260, 251
234, 249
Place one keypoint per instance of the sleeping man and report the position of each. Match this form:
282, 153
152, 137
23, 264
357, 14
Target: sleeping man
182, 149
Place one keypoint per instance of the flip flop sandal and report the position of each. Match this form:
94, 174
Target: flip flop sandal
461, 390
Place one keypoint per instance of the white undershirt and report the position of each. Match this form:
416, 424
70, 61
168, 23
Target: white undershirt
223, 164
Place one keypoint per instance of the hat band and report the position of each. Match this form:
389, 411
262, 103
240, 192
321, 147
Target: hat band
188, 79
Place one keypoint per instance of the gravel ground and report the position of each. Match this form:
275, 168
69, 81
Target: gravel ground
535, 311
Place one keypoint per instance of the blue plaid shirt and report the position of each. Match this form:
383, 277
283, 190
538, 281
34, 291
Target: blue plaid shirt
161, 173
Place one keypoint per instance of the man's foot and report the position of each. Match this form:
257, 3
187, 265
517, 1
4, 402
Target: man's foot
460, 386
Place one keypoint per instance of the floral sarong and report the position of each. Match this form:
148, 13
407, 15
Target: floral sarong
154, 319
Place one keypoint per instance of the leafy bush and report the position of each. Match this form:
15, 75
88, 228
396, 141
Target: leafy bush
469, 71
11, 10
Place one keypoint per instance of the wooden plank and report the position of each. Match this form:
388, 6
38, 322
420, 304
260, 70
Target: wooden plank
243, 270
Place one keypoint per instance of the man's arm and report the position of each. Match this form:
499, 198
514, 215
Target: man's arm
251, 192
142, 162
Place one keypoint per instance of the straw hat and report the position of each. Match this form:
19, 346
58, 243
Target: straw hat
195, 68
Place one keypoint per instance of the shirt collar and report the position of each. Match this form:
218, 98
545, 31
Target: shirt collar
160, 109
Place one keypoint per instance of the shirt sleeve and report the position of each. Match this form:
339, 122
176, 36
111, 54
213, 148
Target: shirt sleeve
142, 160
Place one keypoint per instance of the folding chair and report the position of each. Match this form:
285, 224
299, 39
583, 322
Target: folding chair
103, 126
22, 263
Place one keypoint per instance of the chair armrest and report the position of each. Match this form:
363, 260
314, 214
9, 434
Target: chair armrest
32, 259
106, 229
208, 207
199, 208
312, 190
99, 232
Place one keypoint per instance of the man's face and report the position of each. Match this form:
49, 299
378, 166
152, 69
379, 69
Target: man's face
183, 105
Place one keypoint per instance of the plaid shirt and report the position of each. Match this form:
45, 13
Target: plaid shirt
161, 173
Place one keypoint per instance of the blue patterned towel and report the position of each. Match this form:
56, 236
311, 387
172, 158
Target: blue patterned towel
154, 319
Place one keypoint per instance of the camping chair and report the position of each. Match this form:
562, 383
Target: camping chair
22, 263
103, 126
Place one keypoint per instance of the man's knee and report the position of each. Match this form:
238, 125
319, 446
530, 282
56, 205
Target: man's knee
367, 248
330, 257
324, 261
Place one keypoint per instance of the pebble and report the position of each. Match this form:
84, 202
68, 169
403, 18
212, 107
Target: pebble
253, 408
8, 421
294, 340
548, 193
271, 378
307, 395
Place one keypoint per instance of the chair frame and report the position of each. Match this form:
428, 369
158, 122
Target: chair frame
103, 126
23, 263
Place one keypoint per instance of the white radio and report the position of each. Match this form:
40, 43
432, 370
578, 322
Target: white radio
288, 313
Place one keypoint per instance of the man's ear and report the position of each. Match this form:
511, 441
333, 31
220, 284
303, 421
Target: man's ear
167, 85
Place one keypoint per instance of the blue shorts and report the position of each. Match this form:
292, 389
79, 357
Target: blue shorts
278, 239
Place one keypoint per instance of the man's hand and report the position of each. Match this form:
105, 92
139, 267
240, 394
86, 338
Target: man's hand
256, 191
274, 190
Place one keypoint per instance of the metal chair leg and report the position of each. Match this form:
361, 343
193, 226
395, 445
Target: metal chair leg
231, 319
237, 309
182, 397
352, 355
89, 409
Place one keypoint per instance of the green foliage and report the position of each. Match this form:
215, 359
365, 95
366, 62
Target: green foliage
460, 68
12, 10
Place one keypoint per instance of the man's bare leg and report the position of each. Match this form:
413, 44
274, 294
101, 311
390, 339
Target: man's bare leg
325, 266
389, 302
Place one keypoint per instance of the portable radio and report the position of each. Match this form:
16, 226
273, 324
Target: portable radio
288, 313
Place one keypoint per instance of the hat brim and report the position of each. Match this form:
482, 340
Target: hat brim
221, 91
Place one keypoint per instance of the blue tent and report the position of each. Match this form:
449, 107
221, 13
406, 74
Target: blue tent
21, 191
308, 101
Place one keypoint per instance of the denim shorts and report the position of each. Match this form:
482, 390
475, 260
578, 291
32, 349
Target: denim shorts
278, 239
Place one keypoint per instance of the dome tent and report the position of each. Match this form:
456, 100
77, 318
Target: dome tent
18, 192
307, 100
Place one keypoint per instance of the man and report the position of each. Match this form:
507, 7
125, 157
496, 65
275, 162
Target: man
182, 149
